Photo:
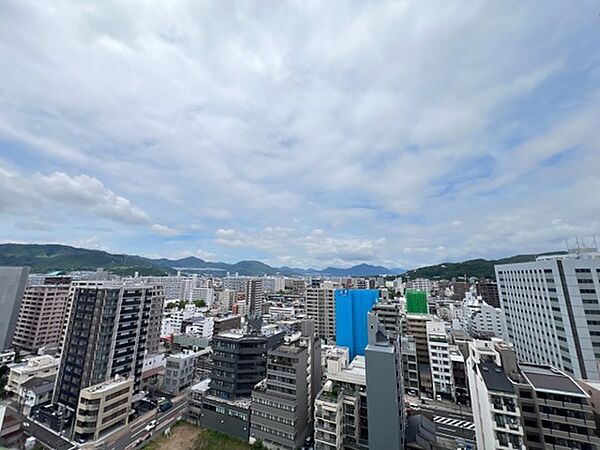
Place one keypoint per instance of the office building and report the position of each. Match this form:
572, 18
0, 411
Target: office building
481, 320
320, 306
42, 317
179, 372
385, 390
238, 364
108, 335
12, 286
552, 311
279, 402
523, 405
103, 407
351, 309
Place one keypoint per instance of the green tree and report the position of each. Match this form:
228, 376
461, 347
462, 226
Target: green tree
258, 445
200, 303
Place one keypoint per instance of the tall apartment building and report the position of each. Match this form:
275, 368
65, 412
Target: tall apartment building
12, 286
351, 309
390, 317
409, 365
255, 297
175, 287
552, 309
108, 334
439, 358
420, 284
42, 317
481, 320
385, 390
525, 405
488, 290
320, 306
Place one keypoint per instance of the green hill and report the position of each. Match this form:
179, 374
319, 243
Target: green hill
480, 268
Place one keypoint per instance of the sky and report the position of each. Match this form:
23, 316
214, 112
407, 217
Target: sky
304, 134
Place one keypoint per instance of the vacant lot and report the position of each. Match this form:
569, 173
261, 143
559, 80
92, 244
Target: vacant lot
188, 437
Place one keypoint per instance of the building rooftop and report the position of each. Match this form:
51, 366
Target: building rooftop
494, 377
107, 385
551, 380
354, 373
39, 385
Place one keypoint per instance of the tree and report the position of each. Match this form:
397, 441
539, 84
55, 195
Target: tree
199, 303
258, 445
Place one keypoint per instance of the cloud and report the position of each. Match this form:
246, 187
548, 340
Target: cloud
22, 195
306, 133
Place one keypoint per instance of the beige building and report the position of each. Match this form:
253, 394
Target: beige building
103, 406
38, 367
320, 306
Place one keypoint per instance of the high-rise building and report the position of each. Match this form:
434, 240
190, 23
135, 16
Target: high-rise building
552, 308
390, 317
12, 285
320, 306
482, 320
420, 284
255, 297
107, 335
526, 406
385, 390
351, 309
42, 317
439, 359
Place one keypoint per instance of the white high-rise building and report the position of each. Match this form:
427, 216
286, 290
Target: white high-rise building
553, 312
439, 358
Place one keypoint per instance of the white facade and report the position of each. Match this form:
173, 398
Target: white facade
439, 358
420, 284
320, 306
273, 284
205, 294
491, 400
173, 319
481, 319
203, 326
552, 311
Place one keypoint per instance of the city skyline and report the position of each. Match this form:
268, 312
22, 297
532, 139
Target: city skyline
395, 134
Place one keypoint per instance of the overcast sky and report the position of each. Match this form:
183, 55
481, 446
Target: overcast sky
301, 133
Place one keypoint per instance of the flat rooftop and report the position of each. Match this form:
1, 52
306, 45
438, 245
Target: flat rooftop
550, 380
494, 377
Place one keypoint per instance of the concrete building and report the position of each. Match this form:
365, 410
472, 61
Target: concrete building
108, 335
351, 309
103, 407
410, 366
488, 291
552, 309
279, 403
341, 418
38, 367
390, 317
439, 357
12, 286
226, 323
42, 317
419, 284
255, 297
320, 306
524, 405
200, 326
481, 320
385, 390
179, 372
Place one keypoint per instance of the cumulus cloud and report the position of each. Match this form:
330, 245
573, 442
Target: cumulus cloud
306, 133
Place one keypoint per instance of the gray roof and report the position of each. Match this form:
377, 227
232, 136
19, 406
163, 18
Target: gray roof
494, 377
551, 380
40, 385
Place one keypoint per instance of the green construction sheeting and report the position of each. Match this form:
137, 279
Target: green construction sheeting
416, 302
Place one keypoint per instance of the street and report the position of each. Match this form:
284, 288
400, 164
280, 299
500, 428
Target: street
48, 438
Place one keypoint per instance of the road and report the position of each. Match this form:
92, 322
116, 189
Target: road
49, 438
451, 422
127, 436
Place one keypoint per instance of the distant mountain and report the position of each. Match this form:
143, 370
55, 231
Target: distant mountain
480, 268
360, 270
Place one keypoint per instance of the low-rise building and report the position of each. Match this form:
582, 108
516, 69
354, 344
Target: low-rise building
103, 407
179, 372
37, 367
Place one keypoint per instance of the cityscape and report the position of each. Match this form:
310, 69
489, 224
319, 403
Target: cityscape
299, 225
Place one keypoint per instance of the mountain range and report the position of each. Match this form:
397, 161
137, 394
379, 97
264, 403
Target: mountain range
44, 258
